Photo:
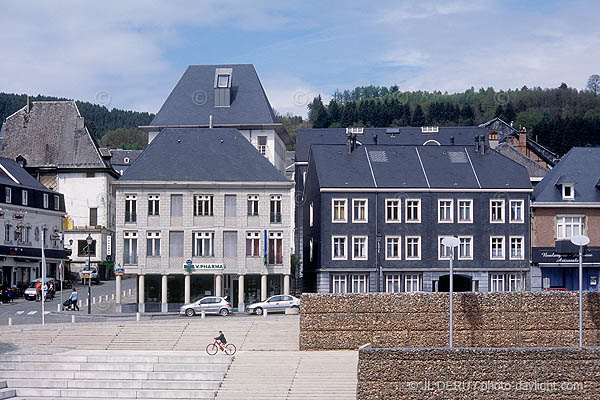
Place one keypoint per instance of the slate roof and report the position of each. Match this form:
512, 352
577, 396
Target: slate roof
463, 135
534, 169
447, 167
50, 134
202, 155
192, 100
119, 156
24, 178
580, 165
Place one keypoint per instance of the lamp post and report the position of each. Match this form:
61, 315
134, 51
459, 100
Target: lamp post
580, 240
89, 241
451, 242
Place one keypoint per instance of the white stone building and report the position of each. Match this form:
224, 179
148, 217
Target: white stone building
205, 198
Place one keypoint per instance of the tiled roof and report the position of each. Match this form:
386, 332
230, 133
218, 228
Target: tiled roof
581, 165
202, 155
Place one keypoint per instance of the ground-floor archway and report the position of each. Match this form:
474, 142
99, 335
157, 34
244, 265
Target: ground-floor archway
462, 283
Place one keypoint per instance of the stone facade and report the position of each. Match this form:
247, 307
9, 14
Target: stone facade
529, 373
525, 319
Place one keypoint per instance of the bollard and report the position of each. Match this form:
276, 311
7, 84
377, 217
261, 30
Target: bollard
106, 297
112, 297
58, 307
9, 321
79, 303
124, 293
72, 319
202, 314
130, 292
99, 299
265, 312
87, 301
93, 300
137, 316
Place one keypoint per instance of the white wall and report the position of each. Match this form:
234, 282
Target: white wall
82, 193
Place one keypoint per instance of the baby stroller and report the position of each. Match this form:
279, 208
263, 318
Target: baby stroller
68, 305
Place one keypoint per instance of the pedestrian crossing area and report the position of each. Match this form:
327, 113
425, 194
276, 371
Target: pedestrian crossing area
31, 312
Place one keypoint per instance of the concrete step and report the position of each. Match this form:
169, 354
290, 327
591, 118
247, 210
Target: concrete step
7, 393
113, 384
116, 393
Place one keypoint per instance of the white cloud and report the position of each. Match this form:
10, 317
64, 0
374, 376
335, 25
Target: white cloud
289, 94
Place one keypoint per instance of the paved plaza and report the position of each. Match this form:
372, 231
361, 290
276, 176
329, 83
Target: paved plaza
166, 359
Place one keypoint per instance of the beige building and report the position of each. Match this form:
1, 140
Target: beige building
201, 213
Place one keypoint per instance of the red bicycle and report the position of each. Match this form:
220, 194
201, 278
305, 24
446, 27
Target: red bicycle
214, 348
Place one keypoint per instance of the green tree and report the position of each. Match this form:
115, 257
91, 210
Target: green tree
125, 138
418, 118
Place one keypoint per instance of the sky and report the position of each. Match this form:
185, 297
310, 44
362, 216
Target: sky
130, 54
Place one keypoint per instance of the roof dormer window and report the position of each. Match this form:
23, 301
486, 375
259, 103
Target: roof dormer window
568, 191
126, 160
223, 81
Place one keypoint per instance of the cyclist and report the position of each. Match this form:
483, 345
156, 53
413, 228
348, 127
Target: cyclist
221, 340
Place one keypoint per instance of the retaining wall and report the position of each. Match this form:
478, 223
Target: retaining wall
526, 373
542, 319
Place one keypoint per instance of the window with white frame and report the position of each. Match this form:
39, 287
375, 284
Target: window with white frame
56, 202
130, 208
413, 248
153, 244
311, 215
516, 211
338, 283
275, 248
203, 205
413, 210
393, 283
130, 248
516, 248
203, 244
360, 211
465, 211
24, 197
338, 247
568, 226
568, 191
7, 195
445, 211
497, 248
514, 282
465, 248
444, 252
252, 244
392, 211
497, 211
359, 245
497, 282
46, 199
154, 204
412, 282
339, 210
276, 208
360, 283
392, 248
253, 204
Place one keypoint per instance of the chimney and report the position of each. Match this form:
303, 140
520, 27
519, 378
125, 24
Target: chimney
476, 143
350, 146
28, 104
482, 144
210, 121
452, 140
375, 138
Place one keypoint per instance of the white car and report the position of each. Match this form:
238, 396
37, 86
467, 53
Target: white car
30, 292
85, 271
209, 304
278, 303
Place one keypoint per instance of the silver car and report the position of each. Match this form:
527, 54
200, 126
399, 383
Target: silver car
277, 303
210, 305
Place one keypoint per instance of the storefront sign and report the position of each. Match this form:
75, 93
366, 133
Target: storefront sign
108, 245
202, 266
67, 223
548, 255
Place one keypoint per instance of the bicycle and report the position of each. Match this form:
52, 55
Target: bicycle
213, 348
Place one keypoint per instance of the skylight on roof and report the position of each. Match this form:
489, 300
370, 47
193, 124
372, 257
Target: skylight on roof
378, 156
223, 81
457, 157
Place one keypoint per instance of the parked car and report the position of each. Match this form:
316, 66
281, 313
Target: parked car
210, 305
86, 271
29, 293
278, 303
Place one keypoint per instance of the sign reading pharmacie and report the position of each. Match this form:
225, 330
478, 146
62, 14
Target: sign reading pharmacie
549, 255
189, 266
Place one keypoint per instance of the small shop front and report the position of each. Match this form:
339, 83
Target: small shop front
561, 270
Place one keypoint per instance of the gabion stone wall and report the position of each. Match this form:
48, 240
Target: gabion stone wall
525, 373
542, 319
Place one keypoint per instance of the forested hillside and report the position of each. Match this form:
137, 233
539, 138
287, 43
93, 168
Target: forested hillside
99, 119
558, 118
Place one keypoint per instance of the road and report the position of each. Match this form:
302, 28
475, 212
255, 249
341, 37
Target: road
29, 312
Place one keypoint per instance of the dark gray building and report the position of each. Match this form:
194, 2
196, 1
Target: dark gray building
122, 159
374, 216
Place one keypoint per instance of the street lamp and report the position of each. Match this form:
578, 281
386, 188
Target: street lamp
580, 240
451, 242
89, 241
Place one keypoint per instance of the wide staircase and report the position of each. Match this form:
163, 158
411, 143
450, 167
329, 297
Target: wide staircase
99, 374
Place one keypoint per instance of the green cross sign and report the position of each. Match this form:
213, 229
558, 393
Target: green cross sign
189, 268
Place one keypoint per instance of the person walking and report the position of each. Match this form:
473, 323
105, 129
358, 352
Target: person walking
73, 299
